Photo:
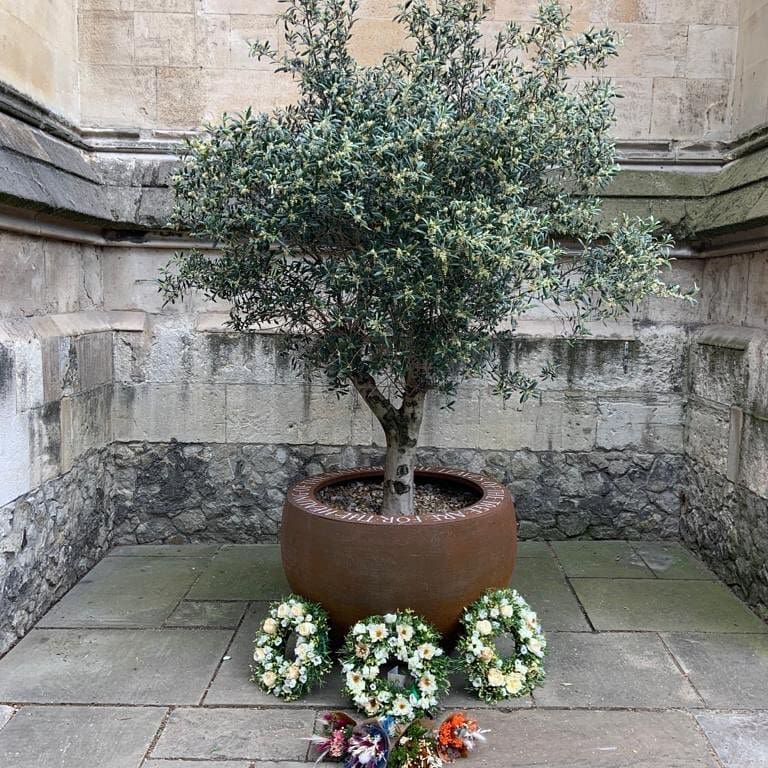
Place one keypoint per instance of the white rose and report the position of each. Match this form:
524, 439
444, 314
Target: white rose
390, 618
495, 677
507, 610
269, 679
283, 611
270, 626
305, 629
292, 673
358, 629
259, 654
534, 646
484, 627
297, 610
487, 654
513, 682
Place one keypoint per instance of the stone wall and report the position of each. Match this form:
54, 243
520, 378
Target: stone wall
171, 65
39, 52
725, 513
233, 492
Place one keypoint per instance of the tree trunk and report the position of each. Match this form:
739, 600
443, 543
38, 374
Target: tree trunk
402, 438
401, 427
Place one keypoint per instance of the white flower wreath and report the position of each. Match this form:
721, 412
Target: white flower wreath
491, 676
413, 642
291, 678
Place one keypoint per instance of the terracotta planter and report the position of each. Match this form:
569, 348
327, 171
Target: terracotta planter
357, 565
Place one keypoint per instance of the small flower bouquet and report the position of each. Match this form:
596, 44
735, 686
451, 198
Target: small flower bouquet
385, 743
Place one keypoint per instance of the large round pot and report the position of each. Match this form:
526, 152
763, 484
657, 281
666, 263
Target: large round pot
358, 565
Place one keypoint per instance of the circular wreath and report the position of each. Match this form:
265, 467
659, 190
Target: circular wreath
272, 669
413, 642
491, 676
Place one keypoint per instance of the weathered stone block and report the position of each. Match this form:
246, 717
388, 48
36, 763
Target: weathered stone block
246, 30
292, 414
213, 40
718, 373
85, 424
692, 108
697, 12
166, 39
711, 51
118, 96
706, 434
106, 37
651, 425
549, 423
655, 50
159, 412
754, 456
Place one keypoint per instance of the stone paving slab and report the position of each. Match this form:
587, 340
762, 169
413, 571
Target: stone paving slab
79, 737
541, 582
672, 561
191, 613
122, 591
741, 740
214, 764
533, 549
619, 669
242, 572
165, 550
236, 734
592, 739
601, 559
6, 713
664, 605
112, 666
729, 671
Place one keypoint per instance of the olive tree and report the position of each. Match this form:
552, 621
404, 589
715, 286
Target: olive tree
396, 219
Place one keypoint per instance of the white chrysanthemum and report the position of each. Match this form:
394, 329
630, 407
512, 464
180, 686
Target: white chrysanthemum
377, 631
355, 681
401, 707
427, 683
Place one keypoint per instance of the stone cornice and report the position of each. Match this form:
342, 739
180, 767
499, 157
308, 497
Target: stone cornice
111, 188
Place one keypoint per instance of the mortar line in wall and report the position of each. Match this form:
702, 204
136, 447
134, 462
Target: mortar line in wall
570, 586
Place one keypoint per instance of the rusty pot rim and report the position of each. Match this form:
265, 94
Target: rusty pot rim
303, 495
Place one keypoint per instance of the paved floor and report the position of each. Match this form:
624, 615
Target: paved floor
653, 664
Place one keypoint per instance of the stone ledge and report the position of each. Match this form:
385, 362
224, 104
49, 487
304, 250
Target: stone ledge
728, 336
81, 323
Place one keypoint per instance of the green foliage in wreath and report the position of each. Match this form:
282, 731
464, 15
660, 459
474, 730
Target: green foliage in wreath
415, 644
491, 676
291, 676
